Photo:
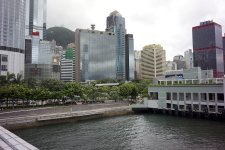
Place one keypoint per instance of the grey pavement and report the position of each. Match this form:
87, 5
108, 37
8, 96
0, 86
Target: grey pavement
56, 109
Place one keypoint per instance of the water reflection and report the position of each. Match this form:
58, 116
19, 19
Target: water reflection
129, 132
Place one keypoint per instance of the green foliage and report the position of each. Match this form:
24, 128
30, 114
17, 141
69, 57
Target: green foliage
61, 35
114, 93
31, 83
106, 80
14, 89
52, 84
73, 89
142, 86
128, 89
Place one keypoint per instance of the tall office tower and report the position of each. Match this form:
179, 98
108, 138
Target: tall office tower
224, 51
12, 40
129, 57
208, 47
42, 58
153, 61
188, 58
170, 65
67, 65
179, 60
95, 55
137, 59
36, 11
116, 24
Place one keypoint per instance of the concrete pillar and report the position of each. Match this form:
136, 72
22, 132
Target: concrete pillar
216, 102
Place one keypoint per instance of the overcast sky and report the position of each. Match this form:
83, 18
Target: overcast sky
165, 22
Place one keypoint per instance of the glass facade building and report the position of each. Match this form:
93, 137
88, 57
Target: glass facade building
95, 55
208, 47
12, 39
116, 24
224, 52
36, 11
42, 58
129, 55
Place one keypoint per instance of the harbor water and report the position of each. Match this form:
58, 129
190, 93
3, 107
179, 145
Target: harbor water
132, 132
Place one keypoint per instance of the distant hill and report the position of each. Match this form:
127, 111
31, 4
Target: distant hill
61, 35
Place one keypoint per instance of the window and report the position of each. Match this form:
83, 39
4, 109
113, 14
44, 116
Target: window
212, 108
188, 96
181, 96
153, 95
203, 97
212, 97
4, 58
175, 106
204, 108
181, 107
168, 96
174, 96
220, 109
168, 105
4, 68
188, 107
220, 97
195, 97
196, 107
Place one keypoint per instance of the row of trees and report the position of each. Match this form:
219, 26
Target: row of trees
15, 91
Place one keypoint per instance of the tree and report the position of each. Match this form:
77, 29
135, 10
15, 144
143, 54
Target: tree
114, 93
31, 82
53, 85
142, 86
128, 89
3, 80
18, 79
10, 77
73, 89
125, 90
41, 94
134, 91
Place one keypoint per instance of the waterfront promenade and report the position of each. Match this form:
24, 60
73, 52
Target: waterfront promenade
47, 115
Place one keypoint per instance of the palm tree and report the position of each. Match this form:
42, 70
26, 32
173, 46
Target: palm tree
18, 78
10, 77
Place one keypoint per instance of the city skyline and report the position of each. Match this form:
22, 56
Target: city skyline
168, 23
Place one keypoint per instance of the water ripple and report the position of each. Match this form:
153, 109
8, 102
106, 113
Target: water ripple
136, 132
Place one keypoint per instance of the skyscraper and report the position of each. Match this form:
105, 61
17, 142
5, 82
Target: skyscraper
12, 39
42, 58
95, 55
129, 57
224, 51
116, 24
188, 58
208, 47
36, 17
67, 64
137, 60
153, 61
179, 60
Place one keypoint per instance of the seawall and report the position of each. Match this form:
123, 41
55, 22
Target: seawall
56, 118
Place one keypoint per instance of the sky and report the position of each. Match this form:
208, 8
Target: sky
165, 22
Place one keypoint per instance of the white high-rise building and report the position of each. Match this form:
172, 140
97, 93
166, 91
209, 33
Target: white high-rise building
67, 65
188, 58
12, 39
